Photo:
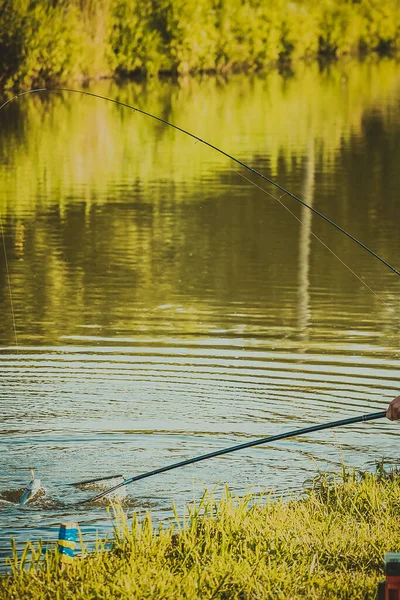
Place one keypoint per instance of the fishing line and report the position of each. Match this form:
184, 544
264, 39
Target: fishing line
279, 199
199, 139
272, 438
9, 281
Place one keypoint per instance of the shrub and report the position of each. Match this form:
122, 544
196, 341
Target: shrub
57, 40
39, 43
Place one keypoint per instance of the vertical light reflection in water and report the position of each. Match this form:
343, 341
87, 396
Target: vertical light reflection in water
306, 215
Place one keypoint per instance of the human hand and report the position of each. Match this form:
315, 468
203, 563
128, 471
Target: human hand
393, 411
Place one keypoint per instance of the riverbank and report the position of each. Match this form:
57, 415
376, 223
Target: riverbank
328, 544
51, 43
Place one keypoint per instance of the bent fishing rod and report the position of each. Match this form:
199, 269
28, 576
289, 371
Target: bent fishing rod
259, 442
210, 145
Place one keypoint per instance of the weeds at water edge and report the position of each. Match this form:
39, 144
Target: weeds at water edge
327, 544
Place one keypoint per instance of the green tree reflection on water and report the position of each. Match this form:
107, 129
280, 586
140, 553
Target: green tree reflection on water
115, 222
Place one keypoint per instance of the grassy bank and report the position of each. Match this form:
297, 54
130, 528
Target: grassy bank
328, 544
52, 41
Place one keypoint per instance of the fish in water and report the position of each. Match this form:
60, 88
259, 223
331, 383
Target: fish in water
31, 490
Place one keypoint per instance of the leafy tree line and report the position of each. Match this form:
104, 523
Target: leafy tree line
49, 41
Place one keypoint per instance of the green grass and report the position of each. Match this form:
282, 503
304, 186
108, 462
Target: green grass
327, 544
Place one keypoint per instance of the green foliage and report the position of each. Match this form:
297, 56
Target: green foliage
328, 544
95, 24
39, 42
11, 40
136, 43
339, 28
381, 25
52, 41
300, 32
250, 34
188, 28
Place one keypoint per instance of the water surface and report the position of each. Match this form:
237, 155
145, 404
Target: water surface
166, 307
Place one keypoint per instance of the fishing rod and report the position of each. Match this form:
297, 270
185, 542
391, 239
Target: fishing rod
210, 145
190, 461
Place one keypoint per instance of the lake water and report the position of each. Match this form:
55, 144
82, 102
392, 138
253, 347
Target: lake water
164, 306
